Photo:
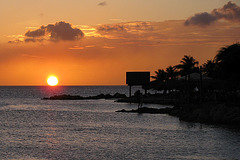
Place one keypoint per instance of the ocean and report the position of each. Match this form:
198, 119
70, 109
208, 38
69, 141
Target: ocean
34, 129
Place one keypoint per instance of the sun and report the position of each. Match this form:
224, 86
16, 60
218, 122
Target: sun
52, 81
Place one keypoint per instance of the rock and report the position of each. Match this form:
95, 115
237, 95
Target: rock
63, 97
118, 95
70, 97
149, 110
123, 110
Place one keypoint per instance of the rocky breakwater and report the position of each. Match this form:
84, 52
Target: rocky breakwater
148, 110
77, 97
208, 113
152, 99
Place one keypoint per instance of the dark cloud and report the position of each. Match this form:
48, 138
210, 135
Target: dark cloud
111, 28
102, 4
64, 31
36, 33
201, 19
125, 27
15, 41
58, 31
142, 26
33, 40
30, 40
229, 12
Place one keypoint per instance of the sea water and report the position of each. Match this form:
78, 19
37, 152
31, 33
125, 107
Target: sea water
31, 128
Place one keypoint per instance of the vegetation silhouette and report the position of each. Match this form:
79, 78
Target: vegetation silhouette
209, 68
217, 97
227, 63
224, 68
171, 72
160, 76
187, 66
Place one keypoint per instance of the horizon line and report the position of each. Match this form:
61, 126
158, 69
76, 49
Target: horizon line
59, 85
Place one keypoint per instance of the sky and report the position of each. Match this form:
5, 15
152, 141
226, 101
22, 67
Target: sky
91, 42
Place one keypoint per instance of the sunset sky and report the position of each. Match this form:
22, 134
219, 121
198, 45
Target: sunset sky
91, 42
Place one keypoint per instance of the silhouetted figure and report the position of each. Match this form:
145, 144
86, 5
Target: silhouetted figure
139, 97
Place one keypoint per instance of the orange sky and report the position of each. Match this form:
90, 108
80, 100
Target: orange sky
100, 54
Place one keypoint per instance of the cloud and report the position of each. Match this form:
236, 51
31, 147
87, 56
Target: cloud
33, 40
90, 46
201, 19
15, 41
166, 33
111, 28
125, 27
76, 48
17, 38
229, 12
108, 47
54, 32
36, 33
124, 30
102, 3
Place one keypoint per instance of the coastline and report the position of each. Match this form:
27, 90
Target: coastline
77, 97
207, 113
153, 99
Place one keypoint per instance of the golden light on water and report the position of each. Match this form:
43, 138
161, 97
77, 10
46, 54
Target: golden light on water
52, 81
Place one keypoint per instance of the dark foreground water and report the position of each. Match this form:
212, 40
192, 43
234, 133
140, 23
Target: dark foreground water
31, 128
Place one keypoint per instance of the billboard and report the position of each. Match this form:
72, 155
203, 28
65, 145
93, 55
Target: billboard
137, 78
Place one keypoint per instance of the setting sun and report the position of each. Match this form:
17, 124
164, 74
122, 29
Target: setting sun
52, 81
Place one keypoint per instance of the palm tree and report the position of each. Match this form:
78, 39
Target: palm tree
187, 66
160, 75
171, 72
209, 68
228, 59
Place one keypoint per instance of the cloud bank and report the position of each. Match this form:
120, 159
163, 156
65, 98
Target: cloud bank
111, 28
229, 12
53, 32
125, 27
167, 33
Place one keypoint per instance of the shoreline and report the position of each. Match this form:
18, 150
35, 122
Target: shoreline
77, 97
153, 99
207, 113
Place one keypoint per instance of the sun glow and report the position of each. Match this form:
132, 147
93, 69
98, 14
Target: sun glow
52, 81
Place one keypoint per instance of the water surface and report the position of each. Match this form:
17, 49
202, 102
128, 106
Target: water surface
31, 128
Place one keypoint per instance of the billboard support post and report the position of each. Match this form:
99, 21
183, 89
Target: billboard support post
130, 91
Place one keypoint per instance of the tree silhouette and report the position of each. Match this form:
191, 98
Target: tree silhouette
171, 72
187, 65
209, 68
228, 59
160, 75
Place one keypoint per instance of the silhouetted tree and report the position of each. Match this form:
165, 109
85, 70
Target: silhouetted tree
160, 75
187, 65
209, 68
228, 62
171, 72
